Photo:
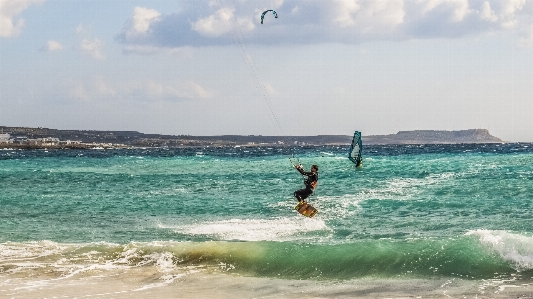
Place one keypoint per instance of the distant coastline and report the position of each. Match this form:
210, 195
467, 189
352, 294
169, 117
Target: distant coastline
35, 138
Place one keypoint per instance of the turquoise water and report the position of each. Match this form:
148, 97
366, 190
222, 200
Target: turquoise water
410, 211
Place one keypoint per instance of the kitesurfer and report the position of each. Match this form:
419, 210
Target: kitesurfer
310, 182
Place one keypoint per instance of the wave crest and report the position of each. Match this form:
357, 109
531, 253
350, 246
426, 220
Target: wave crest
512, 247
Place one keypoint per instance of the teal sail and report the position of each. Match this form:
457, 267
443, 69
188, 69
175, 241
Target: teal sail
356, 149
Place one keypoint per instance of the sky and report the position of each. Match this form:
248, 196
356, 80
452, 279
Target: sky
191, 67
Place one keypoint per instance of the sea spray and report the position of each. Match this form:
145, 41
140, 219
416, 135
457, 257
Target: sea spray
463, 257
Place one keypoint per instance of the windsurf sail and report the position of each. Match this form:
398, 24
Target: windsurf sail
356, 149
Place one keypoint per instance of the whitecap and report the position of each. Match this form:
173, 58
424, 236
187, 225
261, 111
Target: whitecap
278, 229
512, 247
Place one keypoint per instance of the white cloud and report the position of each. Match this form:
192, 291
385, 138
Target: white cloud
221, 22
93, 47
344, 12
487, 13
52, 45
512, 6
392, 11
509, 12
314, 22
9, 9
143, 17
376, 16
88, 44
214, 25
139, 25
459, 8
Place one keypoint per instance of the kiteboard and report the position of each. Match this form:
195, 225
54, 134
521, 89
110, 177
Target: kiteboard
306, 209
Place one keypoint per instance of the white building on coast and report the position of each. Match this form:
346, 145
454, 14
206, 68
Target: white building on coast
5, 138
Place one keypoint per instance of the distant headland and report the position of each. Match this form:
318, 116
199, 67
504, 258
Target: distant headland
29, 138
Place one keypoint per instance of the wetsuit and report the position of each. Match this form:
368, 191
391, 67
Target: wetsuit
310, 184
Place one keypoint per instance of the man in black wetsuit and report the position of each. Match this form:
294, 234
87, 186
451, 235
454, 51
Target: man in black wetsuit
310, 182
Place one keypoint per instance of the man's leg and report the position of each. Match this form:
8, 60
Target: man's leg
302, 194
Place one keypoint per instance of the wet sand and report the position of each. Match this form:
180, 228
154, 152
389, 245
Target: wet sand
148, 283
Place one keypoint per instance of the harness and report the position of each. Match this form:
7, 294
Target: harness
310, 183
313, 184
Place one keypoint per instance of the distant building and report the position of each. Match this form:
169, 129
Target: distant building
21, 139
49, 141
5, 138
69, 142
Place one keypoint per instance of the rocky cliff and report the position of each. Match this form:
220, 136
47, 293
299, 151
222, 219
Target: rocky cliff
434, 137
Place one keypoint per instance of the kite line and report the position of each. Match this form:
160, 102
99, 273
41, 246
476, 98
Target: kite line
237, 38
239, 41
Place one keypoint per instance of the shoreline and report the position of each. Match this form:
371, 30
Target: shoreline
46, 136
11, 146
149, 282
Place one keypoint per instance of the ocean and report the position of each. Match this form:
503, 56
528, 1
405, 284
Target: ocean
424, 221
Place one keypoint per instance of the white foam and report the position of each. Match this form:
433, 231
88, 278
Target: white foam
334, 207
512, 247
165, 263
327, 154
255, 229
166, 280
67, 263
48, 256
329, 207
406, 188
29, 250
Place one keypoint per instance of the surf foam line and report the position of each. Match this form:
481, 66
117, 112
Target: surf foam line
278, 229
462, 257
62, 261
